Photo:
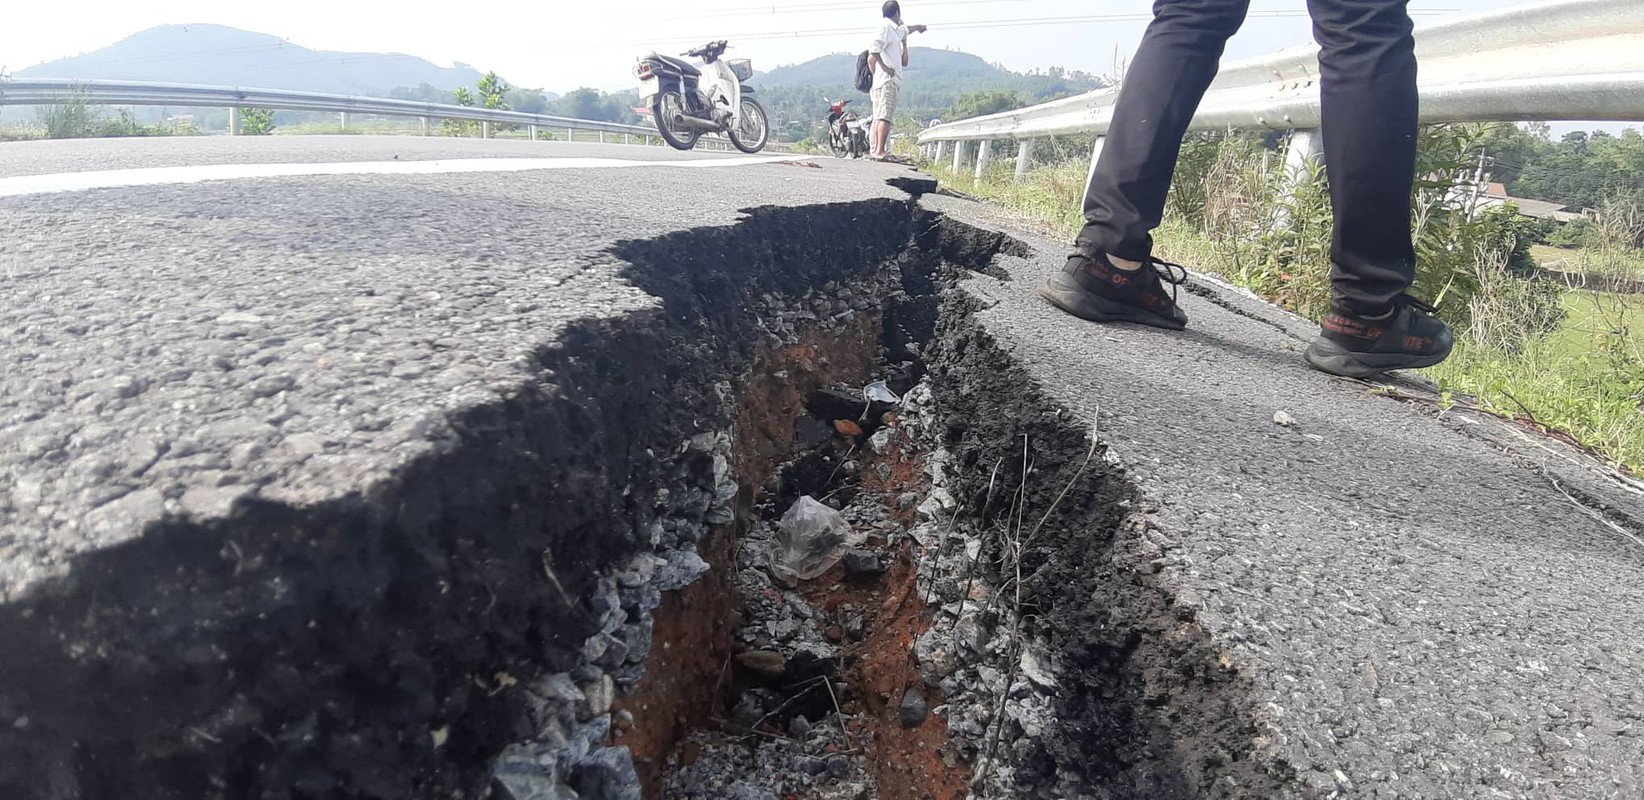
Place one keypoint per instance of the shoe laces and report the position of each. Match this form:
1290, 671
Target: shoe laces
1418, 304
1173, 274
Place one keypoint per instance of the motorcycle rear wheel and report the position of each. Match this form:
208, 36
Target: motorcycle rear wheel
664, 107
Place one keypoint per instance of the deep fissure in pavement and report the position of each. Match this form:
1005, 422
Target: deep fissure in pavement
563, 600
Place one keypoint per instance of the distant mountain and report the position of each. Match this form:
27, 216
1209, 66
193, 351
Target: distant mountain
935, 81
932, 71
220, 55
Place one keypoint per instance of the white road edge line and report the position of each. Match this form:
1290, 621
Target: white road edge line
155, 176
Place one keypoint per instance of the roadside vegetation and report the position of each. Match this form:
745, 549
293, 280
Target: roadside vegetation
1530, 345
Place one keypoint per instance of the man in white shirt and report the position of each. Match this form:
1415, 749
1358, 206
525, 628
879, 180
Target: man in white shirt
887, 57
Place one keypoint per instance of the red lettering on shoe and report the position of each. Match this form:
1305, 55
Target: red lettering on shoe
1417, 343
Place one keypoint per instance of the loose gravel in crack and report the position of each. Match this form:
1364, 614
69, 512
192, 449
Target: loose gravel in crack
796, 724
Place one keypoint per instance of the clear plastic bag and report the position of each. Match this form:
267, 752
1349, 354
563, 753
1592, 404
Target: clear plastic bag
810, 538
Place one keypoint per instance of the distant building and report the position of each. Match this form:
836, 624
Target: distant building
1495, 194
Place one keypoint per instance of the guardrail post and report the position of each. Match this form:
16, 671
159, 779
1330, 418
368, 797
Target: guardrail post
533, 130
602, 137
570, 134
342, 120
233, 121
1305, 146
1095, 155
959, 155
984, 156
485, 129
626, 139
424, 121
941, 151
1024, 158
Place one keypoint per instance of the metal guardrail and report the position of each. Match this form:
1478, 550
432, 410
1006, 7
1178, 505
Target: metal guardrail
134, 93
1557, 60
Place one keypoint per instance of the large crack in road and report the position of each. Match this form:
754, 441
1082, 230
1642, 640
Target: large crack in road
568, 592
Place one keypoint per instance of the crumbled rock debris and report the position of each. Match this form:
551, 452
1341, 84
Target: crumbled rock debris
793, 725
571, 752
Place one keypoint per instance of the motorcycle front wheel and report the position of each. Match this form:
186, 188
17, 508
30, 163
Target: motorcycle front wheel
664, 107
752, 131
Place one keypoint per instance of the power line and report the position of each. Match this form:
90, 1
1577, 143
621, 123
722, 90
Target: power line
811, 8
967, 25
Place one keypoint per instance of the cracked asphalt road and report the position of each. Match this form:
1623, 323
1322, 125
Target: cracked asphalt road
1424, 606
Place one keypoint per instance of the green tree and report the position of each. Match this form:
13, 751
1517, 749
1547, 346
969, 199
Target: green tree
584, 103
494, 91
978, 104
459, 127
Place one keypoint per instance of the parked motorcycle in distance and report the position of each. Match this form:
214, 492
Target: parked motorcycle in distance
847, 131
684, 106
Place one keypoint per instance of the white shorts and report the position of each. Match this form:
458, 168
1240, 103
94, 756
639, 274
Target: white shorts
884, 100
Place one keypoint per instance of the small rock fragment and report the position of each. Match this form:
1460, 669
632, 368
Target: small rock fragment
862, 563
764, 663
914, 709
847, 428
1283, 418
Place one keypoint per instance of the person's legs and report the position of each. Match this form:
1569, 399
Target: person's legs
1125, 199
1161, 91
884, 110
1367, 71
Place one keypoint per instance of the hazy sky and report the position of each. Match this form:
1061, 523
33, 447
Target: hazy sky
561, 44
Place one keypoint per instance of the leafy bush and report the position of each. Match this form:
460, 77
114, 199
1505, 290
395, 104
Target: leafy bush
256, 121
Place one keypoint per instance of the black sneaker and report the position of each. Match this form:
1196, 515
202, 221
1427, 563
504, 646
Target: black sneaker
1090, 287
1407, 337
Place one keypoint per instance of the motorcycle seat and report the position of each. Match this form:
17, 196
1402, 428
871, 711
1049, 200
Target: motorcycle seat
685, 67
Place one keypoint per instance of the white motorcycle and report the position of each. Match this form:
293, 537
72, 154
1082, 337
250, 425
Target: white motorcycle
683, 109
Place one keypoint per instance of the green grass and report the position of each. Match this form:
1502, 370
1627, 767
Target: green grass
1586, 378
1578, 260
1546, 254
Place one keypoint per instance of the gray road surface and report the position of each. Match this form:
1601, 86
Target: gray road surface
1424, 610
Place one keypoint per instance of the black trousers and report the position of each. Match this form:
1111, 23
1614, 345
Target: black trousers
1367, 68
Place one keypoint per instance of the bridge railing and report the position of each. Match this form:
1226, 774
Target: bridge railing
1555, 60
135, 93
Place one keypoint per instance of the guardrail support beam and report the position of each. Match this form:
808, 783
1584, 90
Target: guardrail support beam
941, 151
342, 120
424, 123
532, 130
958, 155
1024, 158
485, 129
233, 121
984, 157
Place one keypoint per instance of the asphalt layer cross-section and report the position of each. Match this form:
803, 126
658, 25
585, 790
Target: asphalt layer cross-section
1428, 605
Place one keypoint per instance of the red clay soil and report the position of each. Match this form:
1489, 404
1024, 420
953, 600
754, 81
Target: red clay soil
775, 397
670, 701
908, 764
